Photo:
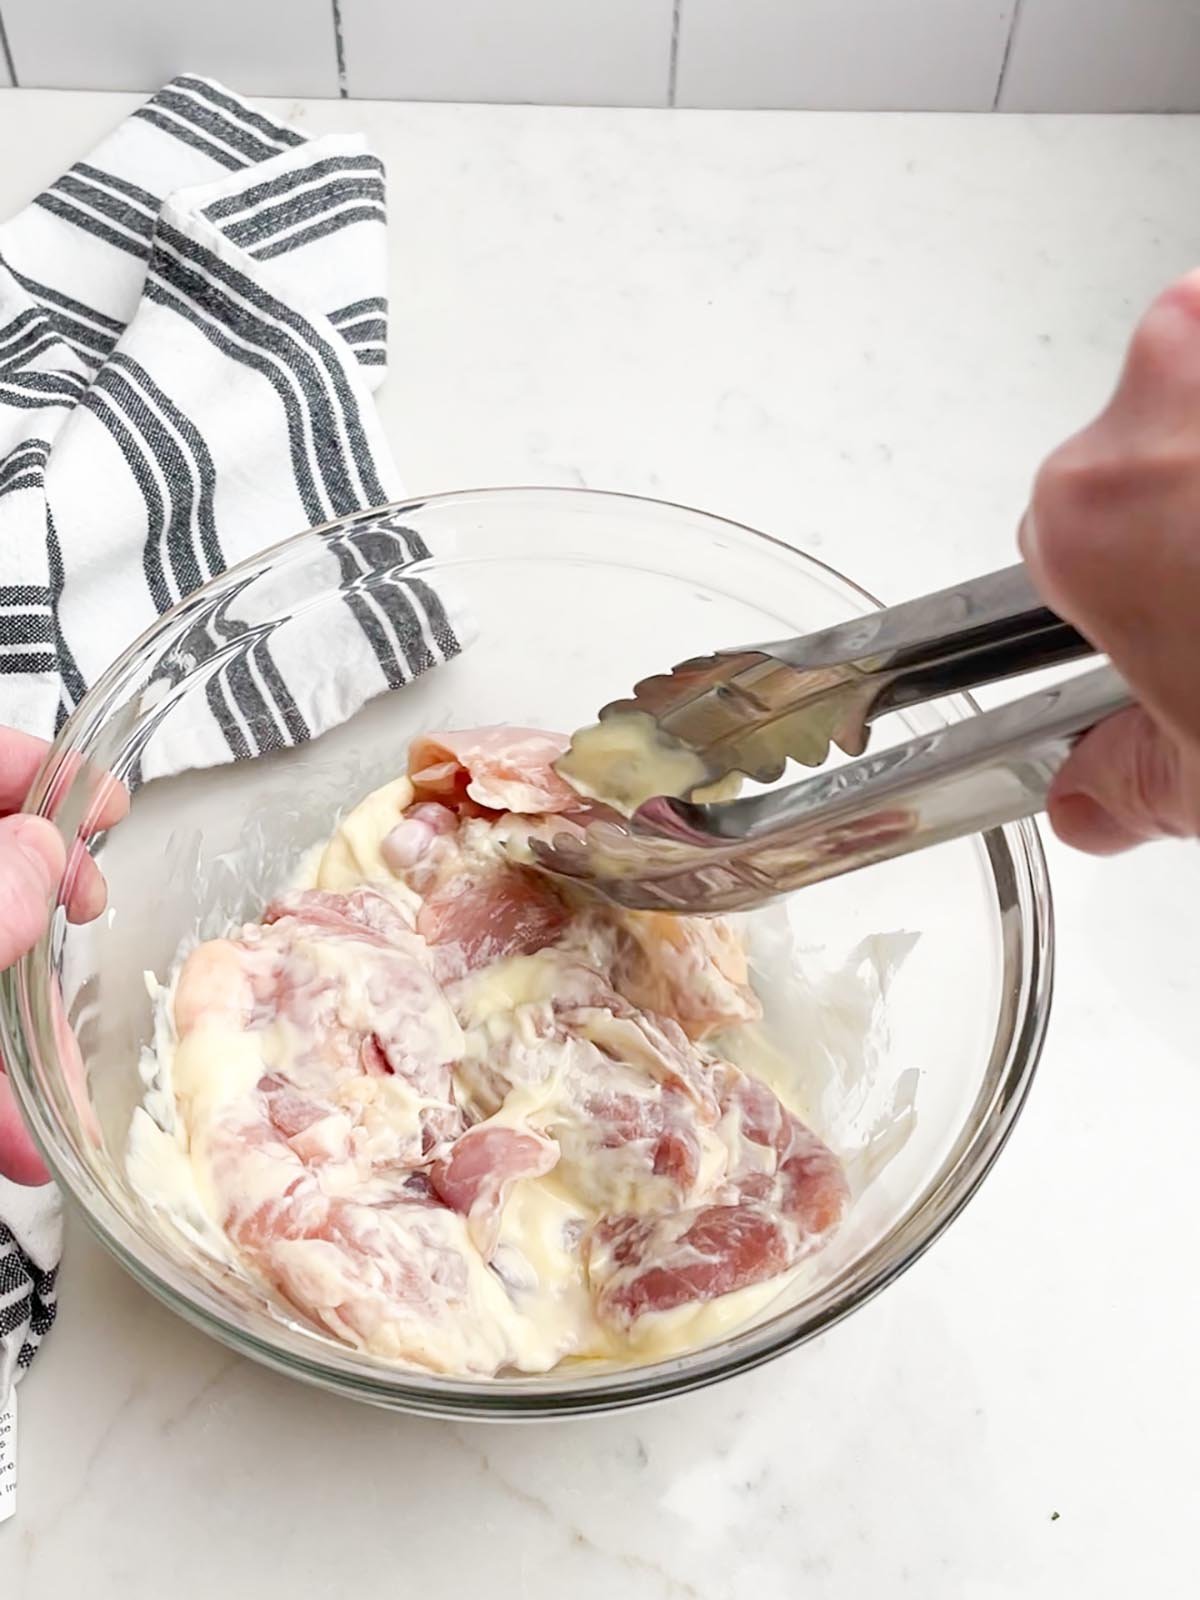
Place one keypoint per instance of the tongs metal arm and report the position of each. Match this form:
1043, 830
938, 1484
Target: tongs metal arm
976, 632
964, 778
748, 710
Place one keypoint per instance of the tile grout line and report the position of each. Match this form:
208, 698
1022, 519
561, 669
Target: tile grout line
673, 58
339, 47
8, 55
1008, 47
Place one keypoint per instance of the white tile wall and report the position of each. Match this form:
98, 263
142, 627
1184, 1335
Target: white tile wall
1104, 55
257, 46
570, 52
835, 54
1042, 55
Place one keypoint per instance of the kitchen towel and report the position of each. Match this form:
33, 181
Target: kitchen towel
30, 1244
191, 324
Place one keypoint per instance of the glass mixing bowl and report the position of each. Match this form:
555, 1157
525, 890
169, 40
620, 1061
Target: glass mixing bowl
573, 596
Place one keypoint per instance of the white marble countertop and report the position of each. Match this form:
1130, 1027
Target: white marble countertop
859, 332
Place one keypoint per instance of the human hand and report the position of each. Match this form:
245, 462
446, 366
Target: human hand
33, 860
1112, 539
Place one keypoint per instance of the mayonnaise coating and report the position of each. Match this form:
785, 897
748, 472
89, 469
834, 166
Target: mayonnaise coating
453, 1119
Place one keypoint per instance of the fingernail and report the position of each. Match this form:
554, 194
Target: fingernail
39, 843
1084, 823
86, 896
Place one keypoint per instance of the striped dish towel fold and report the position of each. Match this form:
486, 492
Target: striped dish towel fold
191, 324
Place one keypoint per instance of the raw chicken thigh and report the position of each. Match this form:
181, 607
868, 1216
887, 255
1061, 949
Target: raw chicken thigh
462, 1122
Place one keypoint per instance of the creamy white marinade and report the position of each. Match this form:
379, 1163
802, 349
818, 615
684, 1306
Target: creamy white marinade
463, 1124
627, 759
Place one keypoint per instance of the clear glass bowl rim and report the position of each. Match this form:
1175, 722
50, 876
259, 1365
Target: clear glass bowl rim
1020, 877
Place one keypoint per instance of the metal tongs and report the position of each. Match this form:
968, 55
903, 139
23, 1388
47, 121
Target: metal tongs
747, 711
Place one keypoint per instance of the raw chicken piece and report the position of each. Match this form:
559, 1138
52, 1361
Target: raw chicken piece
362, 914
514, 1040
478, 905
377, 1080
626, 1144
625, 1096
214, 987
644, 1264
786, 1193
475, 920
654, 1045
392, 1278
500, 769
481, 1168
420, 842
638, 1126
389, 1005
690, 968
370, 1039
312, 1165
289, 1112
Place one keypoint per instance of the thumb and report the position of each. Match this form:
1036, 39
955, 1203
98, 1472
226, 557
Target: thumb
32, 857
1125, 782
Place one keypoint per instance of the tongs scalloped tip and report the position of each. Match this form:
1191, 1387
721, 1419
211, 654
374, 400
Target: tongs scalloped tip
746, 711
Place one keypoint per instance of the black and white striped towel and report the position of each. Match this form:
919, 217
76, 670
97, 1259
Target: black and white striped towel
191, 322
